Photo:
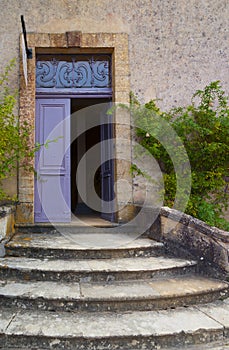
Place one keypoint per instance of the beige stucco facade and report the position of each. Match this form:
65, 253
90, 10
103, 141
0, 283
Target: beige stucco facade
161, 50
175, 47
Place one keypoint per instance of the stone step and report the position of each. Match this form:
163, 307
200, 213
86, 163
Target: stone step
82, 246
219, 345
34, 329
116, 296
84, 225
93, 269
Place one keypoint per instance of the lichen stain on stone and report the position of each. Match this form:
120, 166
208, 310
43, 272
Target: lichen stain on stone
26, 277
5, 266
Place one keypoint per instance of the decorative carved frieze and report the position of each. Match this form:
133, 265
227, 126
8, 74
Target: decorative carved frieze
79, 71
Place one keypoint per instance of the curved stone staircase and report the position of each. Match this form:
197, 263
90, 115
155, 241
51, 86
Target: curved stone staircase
57, 292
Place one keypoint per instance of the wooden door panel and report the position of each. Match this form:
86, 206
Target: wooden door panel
107, 170
52, 185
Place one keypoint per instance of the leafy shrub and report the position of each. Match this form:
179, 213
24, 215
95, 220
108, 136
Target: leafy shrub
203, 127
14, 134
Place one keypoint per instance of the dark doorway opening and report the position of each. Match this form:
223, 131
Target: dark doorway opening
81, 114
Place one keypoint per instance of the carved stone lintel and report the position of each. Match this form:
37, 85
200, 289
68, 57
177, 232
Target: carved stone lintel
73, 39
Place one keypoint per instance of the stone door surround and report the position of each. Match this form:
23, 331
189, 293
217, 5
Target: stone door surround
76, 42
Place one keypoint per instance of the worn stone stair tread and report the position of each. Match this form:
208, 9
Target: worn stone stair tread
125, 290
76, 222
219, 345
94, 265
86, 225
130, 329
159, 288
107, 324
223, 345
81, 241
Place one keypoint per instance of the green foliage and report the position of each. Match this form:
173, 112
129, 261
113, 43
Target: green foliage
11, 143
14, 134
203, 127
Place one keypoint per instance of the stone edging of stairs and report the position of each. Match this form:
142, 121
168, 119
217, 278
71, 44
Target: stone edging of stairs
7, 220
186, 236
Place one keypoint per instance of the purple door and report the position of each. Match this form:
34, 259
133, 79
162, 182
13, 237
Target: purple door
107, 170
52, 184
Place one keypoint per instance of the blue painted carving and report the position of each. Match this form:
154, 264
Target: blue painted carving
78, 72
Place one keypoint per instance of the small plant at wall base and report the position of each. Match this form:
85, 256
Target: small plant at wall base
14, 134
203, 127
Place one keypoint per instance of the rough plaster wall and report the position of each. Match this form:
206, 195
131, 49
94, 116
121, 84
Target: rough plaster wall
175, 46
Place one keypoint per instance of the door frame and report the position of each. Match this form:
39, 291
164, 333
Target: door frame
67, 96
76, 42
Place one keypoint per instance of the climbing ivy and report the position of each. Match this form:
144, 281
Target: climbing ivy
203, 127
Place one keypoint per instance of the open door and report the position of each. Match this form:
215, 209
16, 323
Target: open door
52, 184
107, 170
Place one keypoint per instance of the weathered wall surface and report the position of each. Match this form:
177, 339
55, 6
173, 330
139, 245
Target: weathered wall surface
187, 236
175, 46
7, 219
